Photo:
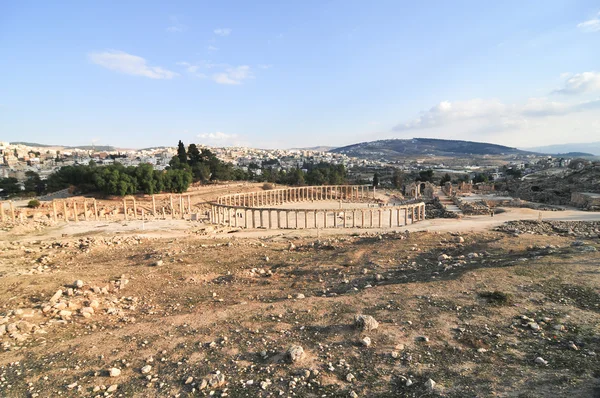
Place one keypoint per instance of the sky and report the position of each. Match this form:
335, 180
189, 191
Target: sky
288, 74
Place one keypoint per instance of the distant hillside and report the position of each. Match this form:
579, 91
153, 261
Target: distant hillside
100, 148
32, 144
315, 148
97, 148
391, 149
564, 149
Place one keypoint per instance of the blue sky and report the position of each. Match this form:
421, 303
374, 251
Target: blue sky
281, 74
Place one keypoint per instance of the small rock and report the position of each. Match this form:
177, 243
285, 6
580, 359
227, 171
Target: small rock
365, 341
295, 353
146, 369
541, 361
78, 283
430, 384
114, 372
365, 322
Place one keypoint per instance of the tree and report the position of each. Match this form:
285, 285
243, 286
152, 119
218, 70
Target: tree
193, 154
179, 180
144, 174
181, 153
425, 176
446, 178
398, 179
201, 172
9, 185
376, 180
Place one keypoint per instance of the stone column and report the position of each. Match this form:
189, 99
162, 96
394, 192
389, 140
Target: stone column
362, 225
380, 218
164, 213
270, 223
235, 218
371, 220
405, 215
412, 219
54, 215
95, 210
262, 218
325, 219
172, 207
66, 214
125, 208
391, 214
134, 209
353, 218
344, 212
181, 208
189, 204
3, 216
153, 206
305, 219
85, 215
75, 211
315, 218
296, 219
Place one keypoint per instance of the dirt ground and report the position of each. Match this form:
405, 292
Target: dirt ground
462, 311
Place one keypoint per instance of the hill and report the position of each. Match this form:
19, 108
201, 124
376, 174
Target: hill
101, 148
390, 149
592, 148
33, 144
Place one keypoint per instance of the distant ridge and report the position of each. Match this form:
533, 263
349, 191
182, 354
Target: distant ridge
592, 148
321, 148
101, 148
425, 146
33, 144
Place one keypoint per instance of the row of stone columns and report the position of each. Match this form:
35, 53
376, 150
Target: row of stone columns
71, 210
349, 218
298, 194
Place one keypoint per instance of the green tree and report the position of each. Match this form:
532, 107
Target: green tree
425, 176
376, 179
398, 179
144, 174
446, 178
181, 153
193, 155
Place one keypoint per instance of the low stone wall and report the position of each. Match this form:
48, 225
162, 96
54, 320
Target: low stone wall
253, 209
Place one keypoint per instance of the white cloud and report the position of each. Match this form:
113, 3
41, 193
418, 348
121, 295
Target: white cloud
536, 120
212, 48
218, 136
592, 25
129, 64
233, 75
447, 111
581, 83
222, 31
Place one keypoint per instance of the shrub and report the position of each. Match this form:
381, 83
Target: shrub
34, 203
268, 186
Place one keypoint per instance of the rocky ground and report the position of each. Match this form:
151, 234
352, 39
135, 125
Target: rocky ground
513, 312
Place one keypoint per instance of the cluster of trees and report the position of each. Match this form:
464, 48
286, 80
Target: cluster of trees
117, 179
33, 185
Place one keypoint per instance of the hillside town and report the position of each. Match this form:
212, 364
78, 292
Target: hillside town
16, 159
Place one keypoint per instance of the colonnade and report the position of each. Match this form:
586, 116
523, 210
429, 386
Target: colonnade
251, 210
83, 209
298, 194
